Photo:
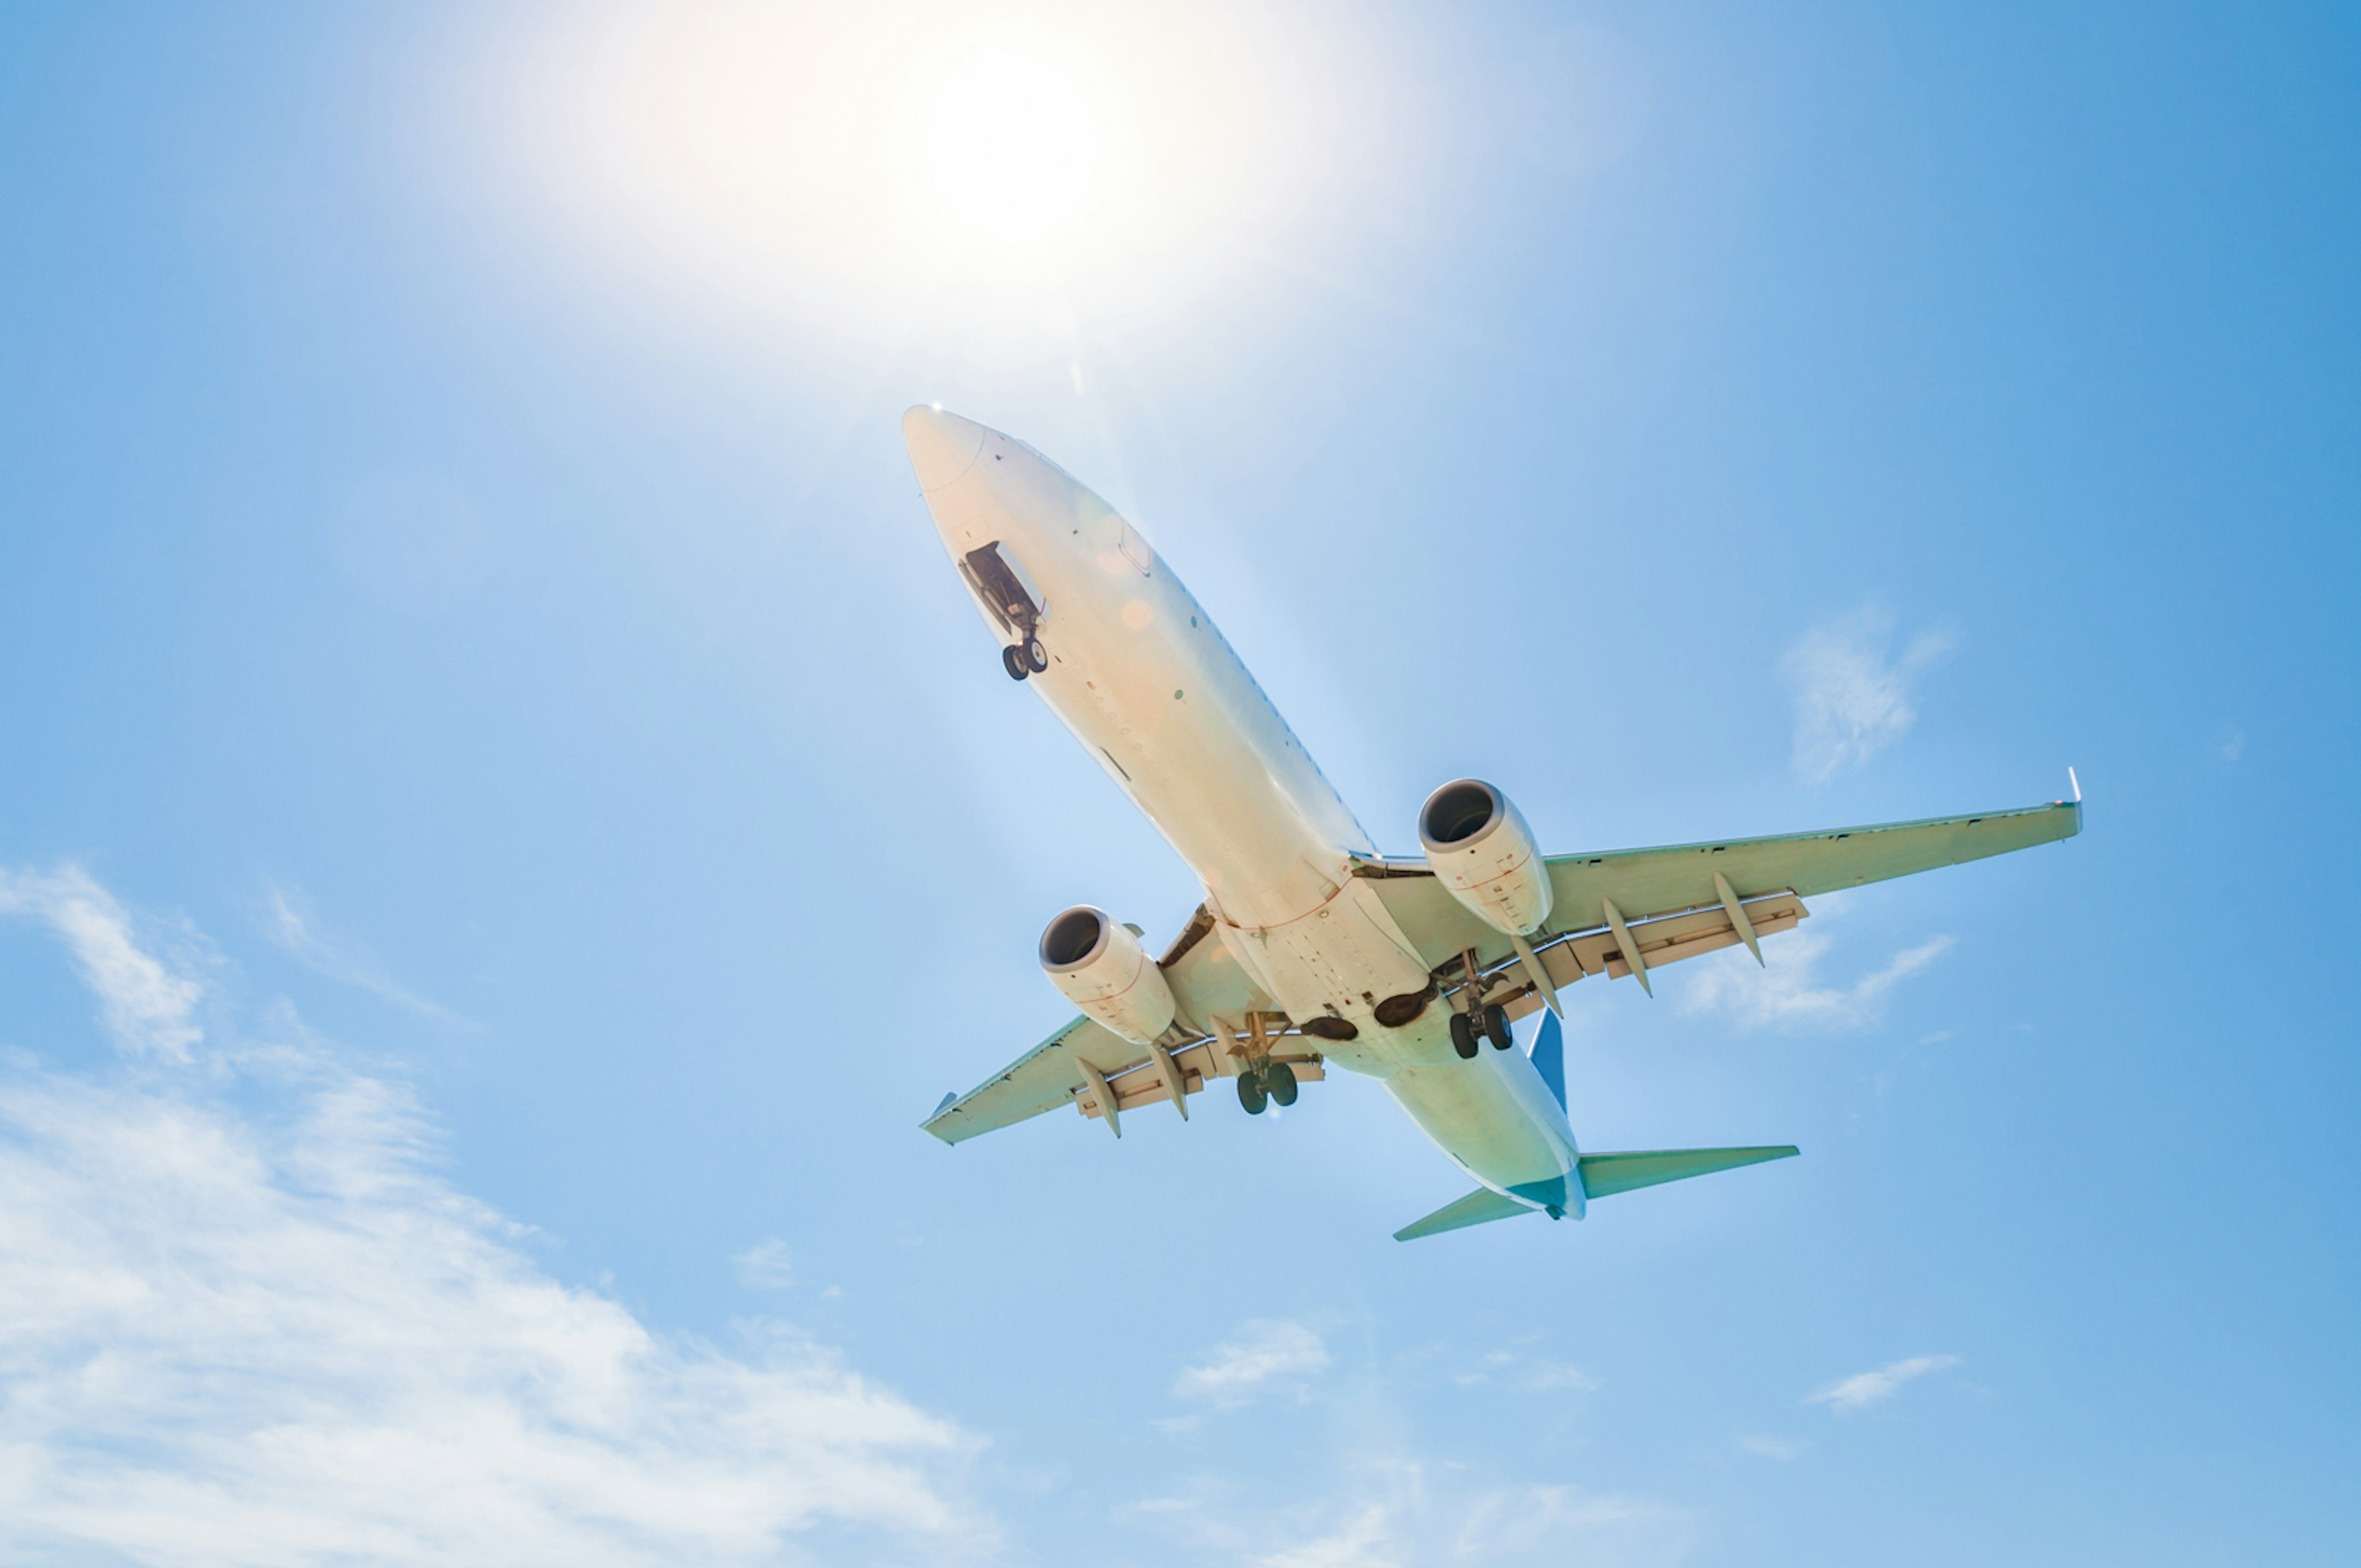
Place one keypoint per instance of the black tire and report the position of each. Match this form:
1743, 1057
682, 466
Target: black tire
1037, 658
1279, 1078
1012, 658
1250, 1093
1463, 1036
1496, 1027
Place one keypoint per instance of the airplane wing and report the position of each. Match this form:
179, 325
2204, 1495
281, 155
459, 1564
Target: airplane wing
1669, 903
1206, 980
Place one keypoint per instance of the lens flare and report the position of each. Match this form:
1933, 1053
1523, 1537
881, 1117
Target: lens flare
1012, 145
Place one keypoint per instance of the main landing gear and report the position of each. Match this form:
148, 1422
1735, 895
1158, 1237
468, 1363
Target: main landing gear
1271, 1083
1494, 1020
1023, 659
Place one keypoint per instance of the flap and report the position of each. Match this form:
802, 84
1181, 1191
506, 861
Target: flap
1674, 880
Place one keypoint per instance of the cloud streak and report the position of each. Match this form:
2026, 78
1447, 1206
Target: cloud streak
1260, 1351
267, 1330
148, 1008
1863, 1389
1851, 699
1785, 995
289, 922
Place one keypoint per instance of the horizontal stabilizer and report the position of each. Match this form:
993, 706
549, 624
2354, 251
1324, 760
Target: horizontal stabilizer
1475, 1209
1604, 1175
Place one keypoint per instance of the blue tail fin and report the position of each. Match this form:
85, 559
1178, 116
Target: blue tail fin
1549, 1057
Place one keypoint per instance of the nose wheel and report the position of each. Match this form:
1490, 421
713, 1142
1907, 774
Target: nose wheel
1463, 1036
1023, 659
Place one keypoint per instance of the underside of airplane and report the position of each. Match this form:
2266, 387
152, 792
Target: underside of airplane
1312, 949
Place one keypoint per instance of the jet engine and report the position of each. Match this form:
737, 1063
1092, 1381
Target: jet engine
1104, 970
1479, 846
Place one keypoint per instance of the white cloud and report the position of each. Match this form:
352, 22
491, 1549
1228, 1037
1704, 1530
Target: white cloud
1431, 1518
1367, 1539
765, 1265
1863, 1389
1770, 1445
1558, 1376
1784, 993
265, 1331
1261, 1350
148, 1009
1532, 1373
1852, 700
1387, 1511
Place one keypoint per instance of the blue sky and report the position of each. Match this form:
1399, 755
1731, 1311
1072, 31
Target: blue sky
509, 823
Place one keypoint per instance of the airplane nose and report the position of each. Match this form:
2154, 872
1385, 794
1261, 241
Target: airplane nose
942, 446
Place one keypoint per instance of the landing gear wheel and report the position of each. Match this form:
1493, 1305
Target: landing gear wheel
1037, 658
1463, 1036
1279, 1078
1012, 658
1496, 1027
1250, 1093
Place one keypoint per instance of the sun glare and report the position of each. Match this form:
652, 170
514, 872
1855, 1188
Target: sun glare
1012, 145
867, 168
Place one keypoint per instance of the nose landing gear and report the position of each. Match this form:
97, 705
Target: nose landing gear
1025, 658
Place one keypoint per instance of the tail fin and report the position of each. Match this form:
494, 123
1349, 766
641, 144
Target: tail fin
1604, 1175
1549, 1057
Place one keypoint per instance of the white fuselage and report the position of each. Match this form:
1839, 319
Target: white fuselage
1137, 671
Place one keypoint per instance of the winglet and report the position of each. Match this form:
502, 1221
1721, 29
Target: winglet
2076, 783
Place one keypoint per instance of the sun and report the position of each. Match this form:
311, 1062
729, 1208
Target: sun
1012, 145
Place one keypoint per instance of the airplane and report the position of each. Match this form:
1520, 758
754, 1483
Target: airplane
1313, 949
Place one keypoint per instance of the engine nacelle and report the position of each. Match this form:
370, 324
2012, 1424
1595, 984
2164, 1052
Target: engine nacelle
1480, 849
1104, 970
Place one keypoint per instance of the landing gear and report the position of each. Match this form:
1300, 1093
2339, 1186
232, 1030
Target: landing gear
1279, 1081
1251, 1094
1463, 1036
1496, 1027
1037, 658
1012, 658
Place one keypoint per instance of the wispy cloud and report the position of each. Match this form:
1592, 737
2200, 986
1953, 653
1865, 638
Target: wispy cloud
1380, 1511
288, 921
262, 1328
1260, 1351
1852, 698
1532, 1374
765, 1265
1863, 1389
1426, 1517
1770, 1445
1787, 994
150, 1009
1366, 1540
